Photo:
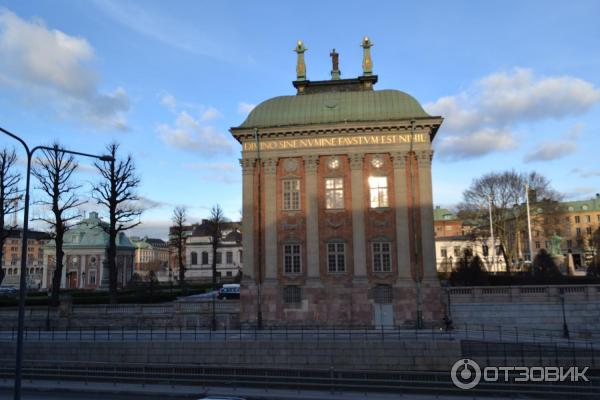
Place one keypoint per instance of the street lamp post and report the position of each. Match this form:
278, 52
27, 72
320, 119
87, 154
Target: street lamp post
22, 279
566, 334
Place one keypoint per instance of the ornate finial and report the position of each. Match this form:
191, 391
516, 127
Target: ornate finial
367, 63
335, 67
300, 66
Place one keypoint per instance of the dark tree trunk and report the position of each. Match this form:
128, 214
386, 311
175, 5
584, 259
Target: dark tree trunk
112, 256
56, 277
181, 264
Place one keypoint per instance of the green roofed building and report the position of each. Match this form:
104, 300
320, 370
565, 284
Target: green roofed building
85, 251
337, 209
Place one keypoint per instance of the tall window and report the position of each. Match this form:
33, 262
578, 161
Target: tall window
577, 219
291, 194
219, 258
291, 259
382, 258
444, 252
229, 256
336, 257
334, 193
378, 189
92, 276
194, 258
204, 257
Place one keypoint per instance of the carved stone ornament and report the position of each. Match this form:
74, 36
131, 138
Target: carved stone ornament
333, 163
291, 165
334, 224
291, 226
356, 160
377, 161
380, 224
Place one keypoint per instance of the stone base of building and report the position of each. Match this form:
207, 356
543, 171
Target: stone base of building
356, 304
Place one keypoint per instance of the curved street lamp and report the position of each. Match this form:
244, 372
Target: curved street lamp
22, 279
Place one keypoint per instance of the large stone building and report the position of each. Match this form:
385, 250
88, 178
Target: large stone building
337, 204
84, 262
151, 254
198, 252
11, 257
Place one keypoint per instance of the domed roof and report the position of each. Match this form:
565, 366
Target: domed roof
334, 107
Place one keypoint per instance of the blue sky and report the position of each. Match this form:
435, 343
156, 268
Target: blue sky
517, 82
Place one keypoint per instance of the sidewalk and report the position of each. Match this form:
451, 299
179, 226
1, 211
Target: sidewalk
197, 392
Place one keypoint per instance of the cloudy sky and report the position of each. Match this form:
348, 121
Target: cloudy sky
518, 84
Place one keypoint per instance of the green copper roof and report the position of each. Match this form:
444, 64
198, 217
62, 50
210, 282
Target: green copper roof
90, 232
443, 214
592, 204
334, 107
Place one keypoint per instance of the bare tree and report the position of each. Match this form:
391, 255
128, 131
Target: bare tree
178, 240
506, 192
117, 192
53, 171
215, 226
9, 196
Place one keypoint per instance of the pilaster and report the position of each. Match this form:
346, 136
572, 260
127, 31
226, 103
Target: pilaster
402, 223
270, 207
358, 217
424, 158
248, 233
311, 164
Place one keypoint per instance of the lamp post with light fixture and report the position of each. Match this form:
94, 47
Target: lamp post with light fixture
23, 277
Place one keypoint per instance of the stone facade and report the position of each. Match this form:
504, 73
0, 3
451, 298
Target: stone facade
342, 232
85, 260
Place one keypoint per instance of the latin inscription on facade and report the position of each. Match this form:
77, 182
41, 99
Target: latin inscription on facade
335, 141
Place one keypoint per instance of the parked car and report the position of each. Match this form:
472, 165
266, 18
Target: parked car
230, 291
8, 291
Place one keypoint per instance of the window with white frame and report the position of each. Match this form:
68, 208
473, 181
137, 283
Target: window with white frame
291, 259
291, 194
382, 256
229, 257
336, 257
334, 193
378, 189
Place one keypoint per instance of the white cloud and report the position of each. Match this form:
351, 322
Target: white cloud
169, 101
50, 68
188, 133
245, 108
192, 133
222, 172
550, 151
475, 144
502, 101
554, 150
585, 173
211, 113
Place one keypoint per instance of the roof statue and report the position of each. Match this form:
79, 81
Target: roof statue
300, 66
367, 63
335, 67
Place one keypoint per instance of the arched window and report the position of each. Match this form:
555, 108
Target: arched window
204, 257
194, 258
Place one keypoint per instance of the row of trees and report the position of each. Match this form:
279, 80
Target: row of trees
178, 238
61, 200
505, 192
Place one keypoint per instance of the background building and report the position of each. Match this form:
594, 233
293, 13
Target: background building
450, 249
199, 252
85, 246
150, 255
337, 210
11, 260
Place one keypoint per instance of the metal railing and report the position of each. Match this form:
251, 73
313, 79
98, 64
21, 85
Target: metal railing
325, 379
303, 333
